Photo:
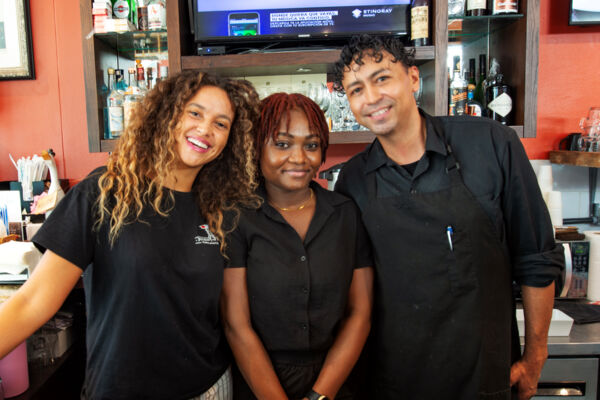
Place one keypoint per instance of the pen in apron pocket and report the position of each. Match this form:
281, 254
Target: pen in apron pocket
449, 232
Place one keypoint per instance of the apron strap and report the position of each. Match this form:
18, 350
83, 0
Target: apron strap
452, 165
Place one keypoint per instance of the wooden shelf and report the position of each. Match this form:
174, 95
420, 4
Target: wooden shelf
108, 145
278, 63
349, 137
579, 158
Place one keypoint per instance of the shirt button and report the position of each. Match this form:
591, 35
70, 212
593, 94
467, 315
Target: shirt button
304, 327
304, 290
303, 258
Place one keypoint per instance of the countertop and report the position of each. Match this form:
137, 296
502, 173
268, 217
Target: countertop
584, 340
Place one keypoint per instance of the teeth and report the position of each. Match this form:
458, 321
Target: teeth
376, 113
197, 143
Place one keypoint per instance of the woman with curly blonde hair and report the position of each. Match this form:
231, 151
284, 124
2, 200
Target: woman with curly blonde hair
147, 231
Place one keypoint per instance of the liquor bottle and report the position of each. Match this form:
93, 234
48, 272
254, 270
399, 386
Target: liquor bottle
125, 9
458, 91
479, 94
498, 96
471, 75
419, 23
140, 79
149, 80
120, 80
474, 108
476, 8
142, 15
132, 96
103, 92
157, 14
456, 8
505, 7
115, 107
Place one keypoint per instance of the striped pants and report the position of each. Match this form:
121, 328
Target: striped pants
221, 390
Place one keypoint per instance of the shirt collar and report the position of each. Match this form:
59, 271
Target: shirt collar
376, 156
326, 201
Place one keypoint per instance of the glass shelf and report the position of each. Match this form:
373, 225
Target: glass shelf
475, 28
149, 45
488, 17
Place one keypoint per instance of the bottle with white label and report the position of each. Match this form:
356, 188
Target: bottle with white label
115, 107
476, 8
505, 7
499, 101
157, 14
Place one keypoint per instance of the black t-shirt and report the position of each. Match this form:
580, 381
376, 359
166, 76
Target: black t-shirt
495, 169
153, 325
298, 290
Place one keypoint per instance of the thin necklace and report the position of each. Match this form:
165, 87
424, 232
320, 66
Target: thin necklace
300, 207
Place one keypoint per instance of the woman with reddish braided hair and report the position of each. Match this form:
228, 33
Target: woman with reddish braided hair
297, 292
147, 233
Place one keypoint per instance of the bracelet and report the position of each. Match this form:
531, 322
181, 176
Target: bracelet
312, 395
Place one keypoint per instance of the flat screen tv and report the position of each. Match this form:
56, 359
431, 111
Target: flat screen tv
584, 12
243, 21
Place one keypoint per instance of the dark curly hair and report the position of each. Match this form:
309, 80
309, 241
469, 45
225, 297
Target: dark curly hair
370, 46
276, 107
145, 154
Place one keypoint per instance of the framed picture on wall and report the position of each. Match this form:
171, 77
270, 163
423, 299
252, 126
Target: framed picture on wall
584, 12
16, 48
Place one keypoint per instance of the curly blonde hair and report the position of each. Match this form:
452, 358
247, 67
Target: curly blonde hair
145, 154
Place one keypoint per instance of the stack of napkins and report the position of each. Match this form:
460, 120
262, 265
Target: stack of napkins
17, 261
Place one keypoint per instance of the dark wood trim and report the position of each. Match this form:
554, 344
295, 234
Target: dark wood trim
531, 68
174, 42
441, 54
277, 63
89, 74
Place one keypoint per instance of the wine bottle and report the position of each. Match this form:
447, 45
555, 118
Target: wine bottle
479, 94
498, 97
419, 23
476, 8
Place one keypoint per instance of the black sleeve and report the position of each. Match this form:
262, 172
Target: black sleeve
237, 247
364, 254
68, 231
537, 260
351, 182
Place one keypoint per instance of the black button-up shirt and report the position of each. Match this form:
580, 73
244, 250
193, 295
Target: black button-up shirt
494, 167
298, 290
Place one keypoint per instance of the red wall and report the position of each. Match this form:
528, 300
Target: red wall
568, 75
49, 112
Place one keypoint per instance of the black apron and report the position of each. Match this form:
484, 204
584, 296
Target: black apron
442, 316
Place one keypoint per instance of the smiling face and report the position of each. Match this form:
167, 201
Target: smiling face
205, 125
290, 161
381, 94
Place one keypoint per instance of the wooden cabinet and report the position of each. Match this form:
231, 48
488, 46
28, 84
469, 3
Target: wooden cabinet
116, 50
513, 41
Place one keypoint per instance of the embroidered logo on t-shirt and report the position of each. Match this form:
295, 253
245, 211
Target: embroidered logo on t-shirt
205, 236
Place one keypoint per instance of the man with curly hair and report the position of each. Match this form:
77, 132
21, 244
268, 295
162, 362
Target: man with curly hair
454, 214
147, 233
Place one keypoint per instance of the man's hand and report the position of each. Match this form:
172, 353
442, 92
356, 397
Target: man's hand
537, 306
525, 375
